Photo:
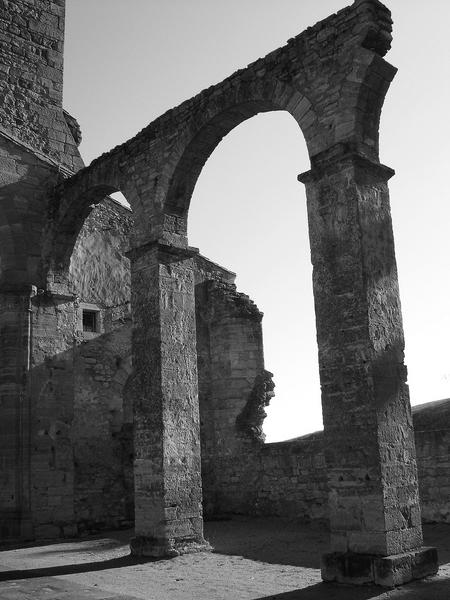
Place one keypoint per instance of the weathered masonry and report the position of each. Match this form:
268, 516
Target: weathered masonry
126, 386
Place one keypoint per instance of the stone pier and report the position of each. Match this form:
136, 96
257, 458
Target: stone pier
168, 500
376, 533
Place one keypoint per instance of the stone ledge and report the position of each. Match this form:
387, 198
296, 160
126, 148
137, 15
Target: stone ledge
386, 571
166, 548
340, 156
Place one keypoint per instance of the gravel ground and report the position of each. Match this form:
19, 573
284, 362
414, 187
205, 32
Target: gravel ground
253, 559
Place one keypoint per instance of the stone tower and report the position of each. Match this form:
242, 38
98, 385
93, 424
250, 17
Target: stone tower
37, 144
31, 85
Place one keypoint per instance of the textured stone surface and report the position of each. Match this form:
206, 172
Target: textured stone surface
290, 478
15, 495
373, 503
31, 78
24, 183
388, 571
81, 453
99, 270
318, 77
36, 145
332, 79
168, 508
230, 363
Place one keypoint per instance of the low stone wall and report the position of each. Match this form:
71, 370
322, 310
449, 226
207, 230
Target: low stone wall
281, 479
293, 479
290, 479
432, 429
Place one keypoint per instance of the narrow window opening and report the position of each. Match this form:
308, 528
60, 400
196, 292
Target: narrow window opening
90, 321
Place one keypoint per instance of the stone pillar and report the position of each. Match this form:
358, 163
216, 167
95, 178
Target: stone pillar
15, 348
375, 520
168, 497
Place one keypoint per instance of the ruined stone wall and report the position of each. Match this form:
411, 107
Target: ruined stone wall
283, 479
36, 381
82, 435
99, 270
51, 380
81, 454
241, 474
289, 478
31, 78
22, 208
37, 145
102, 426
231, 383
102, 433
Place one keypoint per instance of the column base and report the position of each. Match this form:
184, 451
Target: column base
387, 571
166, 548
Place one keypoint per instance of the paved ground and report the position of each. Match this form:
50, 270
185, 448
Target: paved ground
254, 559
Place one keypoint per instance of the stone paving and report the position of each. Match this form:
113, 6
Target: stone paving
254, 559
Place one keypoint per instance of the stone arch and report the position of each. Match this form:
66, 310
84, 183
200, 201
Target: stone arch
361, 100
332, 79
216, 117
73, 201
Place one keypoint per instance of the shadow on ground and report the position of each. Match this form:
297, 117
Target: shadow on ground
325, 591
70, 569
271, 540
264, 540
428, 590
289, 542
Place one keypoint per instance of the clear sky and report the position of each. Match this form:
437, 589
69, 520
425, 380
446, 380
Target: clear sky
128, 62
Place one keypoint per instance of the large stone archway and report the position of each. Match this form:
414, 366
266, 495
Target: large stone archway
332, 79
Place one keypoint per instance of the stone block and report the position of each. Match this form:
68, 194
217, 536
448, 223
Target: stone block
385, 571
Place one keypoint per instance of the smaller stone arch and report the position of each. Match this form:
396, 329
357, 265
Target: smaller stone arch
71, 203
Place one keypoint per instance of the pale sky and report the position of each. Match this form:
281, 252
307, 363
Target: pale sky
128, 62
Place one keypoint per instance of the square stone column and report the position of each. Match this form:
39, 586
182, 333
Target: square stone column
374, 509
167, 469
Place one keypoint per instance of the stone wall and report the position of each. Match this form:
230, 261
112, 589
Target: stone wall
23, 180
102, 425
81, 455
432, 430
51, 379
102, 433
230, 364
65, 393
31, 78
37, 146
15, 412
99, 271
80, 464
81, 442
289, 478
